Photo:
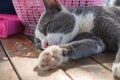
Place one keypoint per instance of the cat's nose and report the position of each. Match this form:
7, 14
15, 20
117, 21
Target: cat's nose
46, 44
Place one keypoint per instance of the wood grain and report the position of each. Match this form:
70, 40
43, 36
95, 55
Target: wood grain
6, 70
105, 59
20, 45
28, 70
24, 56
87, 69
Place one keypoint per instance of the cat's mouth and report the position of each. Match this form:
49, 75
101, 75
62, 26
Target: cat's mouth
46, 44
50, 42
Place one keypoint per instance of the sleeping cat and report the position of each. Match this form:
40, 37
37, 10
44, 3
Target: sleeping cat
75, 33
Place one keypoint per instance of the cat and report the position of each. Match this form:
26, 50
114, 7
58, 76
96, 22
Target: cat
110, 2
73, 33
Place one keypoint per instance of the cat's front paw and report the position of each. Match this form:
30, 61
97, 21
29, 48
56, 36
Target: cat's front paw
51, 57
116, 69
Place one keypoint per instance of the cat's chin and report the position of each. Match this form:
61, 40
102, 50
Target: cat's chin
51, 57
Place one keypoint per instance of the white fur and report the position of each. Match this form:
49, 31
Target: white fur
110, 2
99, 49
38, 34
51, 50
116, 69
69, 36
54, 38
84, 23
41, 37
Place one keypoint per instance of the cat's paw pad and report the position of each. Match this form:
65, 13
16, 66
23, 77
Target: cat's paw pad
50, 58
116, 69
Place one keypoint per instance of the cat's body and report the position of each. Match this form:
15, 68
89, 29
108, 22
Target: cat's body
101, 22
76, 33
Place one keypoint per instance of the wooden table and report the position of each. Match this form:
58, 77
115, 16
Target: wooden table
19, 57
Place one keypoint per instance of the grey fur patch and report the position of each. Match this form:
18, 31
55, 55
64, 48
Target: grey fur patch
106, 27
62, 22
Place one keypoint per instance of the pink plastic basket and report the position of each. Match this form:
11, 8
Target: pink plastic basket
29, 11
9, 25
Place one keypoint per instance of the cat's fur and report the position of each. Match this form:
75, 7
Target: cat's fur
76, 33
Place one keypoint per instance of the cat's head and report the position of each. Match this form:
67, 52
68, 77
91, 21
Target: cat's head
55, 25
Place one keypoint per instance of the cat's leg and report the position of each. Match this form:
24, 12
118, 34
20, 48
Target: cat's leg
116, 64
37, 43
53, 56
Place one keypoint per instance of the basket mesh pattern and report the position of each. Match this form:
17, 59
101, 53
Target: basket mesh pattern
29, 11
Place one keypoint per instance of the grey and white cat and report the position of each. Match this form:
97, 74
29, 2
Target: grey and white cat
76, 33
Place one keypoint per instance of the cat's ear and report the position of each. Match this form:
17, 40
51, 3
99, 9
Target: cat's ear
52, 5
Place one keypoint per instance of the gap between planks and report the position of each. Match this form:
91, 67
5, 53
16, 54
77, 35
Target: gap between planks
94, 58
7, 71
13, 66
100, 63
79, 67
12, 51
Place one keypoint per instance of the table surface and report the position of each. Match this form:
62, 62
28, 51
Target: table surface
19, 57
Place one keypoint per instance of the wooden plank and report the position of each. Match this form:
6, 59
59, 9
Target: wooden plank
105, 59
6, 70
19, 45
28, 70
25, 58
86, 69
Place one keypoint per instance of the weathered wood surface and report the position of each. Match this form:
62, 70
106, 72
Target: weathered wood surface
24, 57
105, 59
19, 45
6, 70
87, 69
